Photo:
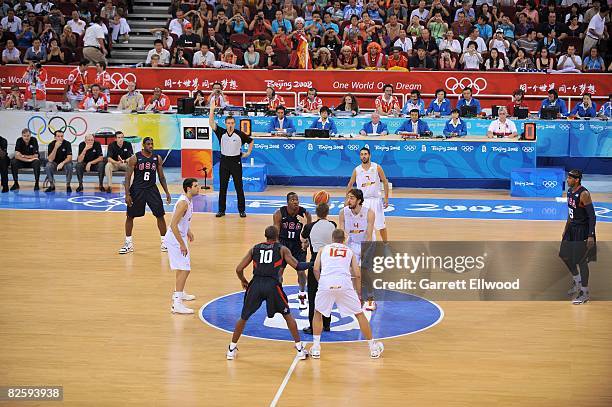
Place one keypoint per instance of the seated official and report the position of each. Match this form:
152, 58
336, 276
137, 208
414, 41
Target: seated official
312, 103
440, 106
348, 104
90, 159
119, 151
455, 127
518, 100
158, 102
414, 102
281, 122
324, 122
59, 156
132, 101
15, 99
26, 156
95, 101
4, 164
553, 101
586, 108
468, 100
374, 126
414, 125
272, 99
502, 127
606, 108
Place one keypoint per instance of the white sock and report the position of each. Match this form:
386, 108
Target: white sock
577, 279
177, 296
316, 339
371, 342
162, 239
233, 345
128, 239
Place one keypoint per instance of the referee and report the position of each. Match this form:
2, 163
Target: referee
231, 141
319, 233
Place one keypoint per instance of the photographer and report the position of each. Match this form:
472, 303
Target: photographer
218, 96
260, 25
36, 89
14, 100
236, 24
179, 57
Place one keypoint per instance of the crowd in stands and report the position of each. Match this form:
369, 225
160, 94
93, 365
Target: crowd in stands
62, 32
511, 35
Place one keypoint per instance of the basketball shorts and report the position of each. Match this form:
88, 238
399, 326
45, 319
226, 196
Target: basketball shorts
176, 258
346, 300
376, 204
573, 245
266, 289
146, 196
295, 248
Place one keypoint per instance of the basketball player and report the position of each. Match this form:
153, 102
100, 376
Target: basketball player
578, 245
368, 176
267, 259
287, 221
334, 268
176, 237
143, 191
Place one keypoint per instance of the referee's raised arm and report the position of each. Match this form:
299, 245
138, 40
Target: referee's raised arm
211, 116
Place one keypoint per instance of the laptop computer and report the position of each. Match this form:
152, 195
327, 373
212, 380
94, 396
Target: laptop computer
521, 112
467, 111
316, 133
549, 113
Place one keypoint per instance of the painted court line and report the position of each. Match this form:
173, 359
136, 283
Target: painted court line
285, 381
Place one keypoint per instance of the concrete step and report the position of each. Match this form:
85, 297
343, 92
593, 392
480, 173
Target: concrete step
140, 39
152, 3
146, 24
134, 56
135, 17
151, 9
137, 46
122, 61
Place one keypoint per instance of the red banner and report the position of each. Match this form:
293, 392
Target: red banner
180, 81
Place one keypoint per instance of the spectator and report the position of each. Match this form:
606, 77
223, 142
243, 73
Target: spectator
205, 58
428, 43
517, 101
397, 60
502, 126
481, 46
551, 43
593, 62
132, 101
93, 42
281, 21
108, 11
375, 12
241, 8
552, 25
522, 62
440, 105
57, 20
414, 125
574, 12
437, 26
4, 162
347, 59
215, 41
59, 157
55, 54
281, 123
331, 41
26, 156
502, 45
90, 159
507, 27
177, 24
260, 26
374, 57
158, 49
324, 122
467, 10
270, 58
455, 127
76, 24
531, 12
22, 8
281, 41
10, 54
494, 61
461, 26
606, 108
179, 57
570, 62
268, 9
387, 104
467, 100
404, 42
421, 12
349, 104
96, 101
529, 43
352, 9
85, 14
415, 28
25, 37
76, 84
374, 126
251, 57
485, 30
590, 13
312, 103
43, 8
553, 101
272, 99
323, 59
189, 41
199, 99
336, 11
36, 52
316, 22
328, 22
158, 102
155, 61
447, 61
14, 100
119, 151
120, 29
414, 102
68, 39
11, 22
575, 29
523, 27
394, 27
47, 35
449, 43
229, 57
218, 96
471, 58
586, 108
596, 30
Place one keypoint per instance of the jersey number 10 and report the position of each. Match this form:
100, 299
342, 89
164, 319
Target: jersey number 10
265, 256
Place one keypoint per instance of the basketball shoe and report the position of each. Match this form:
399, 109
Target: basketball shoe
163, 247
302, 353
315, 351
583, 298
187, 297
376, 350
370, 304
575, 289
179, 308
127, 248
231, 354
302, 298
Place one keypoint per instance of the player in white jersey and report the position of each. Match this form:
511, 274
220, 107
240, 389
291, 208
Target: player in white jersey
176, 240
357, 221
337, 270
368, 176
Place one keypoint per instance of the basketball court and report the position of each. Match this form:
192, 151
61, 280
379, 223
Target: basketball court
77, 314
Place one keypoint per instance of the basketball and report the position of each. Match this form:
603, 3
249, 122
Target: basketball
321, 197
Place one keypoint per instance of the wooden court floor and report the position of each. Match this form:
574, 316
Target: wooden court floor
75, 313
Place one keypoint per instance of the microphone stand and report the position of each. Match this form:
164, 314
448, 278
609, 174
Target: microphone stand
205, 170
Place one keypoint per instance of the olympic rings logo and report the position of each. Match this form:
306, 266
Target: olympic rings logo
549, 184
528, 149
353, 147
289, 146
120, 81
99, 202
75, 126
477, 85
564, 126
410, 148
467, 149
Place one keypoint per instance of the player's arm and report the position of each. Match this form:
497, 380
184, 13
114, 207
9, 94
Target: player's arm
248, 258
356, 276
211, 116
276, 218
351, 182
587, 202
317, 265
162, 179
341, 220
292, 261
179, 212
385, 181
370, 229
131, 164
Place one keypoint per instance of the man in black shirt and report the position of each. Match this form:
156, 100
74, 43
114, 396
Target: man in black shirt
119, 151
90, 159
231, 141
190, 41
26, 156
4, 164
59, 156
